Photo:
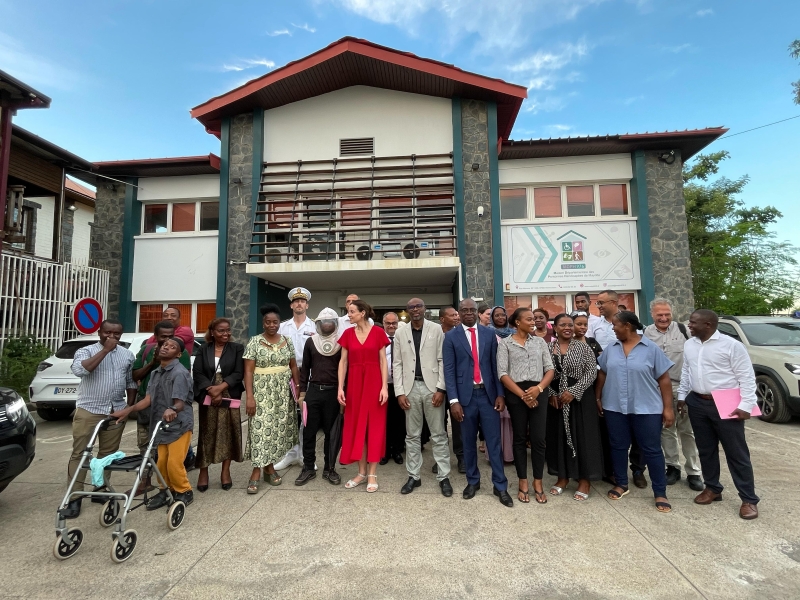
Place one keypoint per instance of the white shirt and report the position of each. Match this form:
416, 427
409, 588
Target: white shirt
602, 331
719, 363
298, 335
389, 358
469, 341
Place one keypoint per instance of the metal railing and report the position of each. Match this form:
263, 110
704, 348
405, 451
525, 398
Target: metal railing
355, 209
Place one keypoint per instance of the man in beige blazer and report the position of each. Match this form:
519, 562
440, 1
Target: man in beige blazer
419, 387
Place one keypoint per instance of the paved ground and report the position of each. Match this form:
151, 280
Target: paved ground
321, 541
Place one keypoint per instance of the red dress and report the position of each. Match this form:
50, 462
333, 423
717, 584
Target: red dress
364, 416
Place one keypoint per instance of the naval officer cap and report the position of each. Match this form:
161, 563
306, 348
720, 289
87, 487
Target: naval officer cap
299, 293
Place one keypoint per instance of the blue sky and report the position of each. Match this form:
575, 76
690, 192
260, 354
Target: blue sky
124, 74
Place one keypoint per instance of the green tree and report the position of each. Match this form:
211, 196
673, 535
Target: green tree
738, 267
21, 355
794, 52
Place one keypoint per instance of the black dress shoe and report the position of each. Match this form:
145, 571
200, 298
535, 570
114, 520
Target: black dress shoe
73, 509
639, 480
435, 469
334, 478
410, 485
398, 458
471, 490
384, 460
505, 497
157, 501
695, 482
305, 476
673, 475
462, 468
447, 489
225, 486
203, 488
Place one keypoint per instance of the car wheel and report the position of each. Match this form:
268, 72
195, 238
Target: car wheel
771, 400
54, 414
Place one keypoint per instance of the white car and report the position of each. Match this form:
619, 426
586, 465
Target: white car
54, 389
773, 344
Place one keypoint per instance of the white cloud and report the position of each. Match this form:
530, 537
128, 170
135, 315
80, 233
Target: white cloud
248, 63
20, 60
704, 12
542, 68
279, 32
305, 27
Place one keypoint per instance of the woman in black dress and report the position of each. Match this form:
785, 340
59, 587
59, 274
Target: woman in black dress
218, 372
573, 425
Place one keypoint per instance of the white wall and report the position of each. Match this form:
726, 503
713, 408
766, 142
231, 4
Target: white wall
81, 236
401, 123
185, 186
180, 269
563, 169
43, 248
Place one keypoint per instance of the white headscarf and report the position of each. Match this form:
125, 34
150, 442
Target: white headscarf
327, 344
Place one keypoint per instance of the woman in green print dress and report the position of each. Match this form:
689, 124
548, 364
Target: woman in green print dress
269, 364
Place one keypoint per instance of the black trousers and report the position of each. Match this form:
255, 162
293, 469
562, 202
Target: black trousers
709, 432
322, 407
458, 445
395, 425
528, 423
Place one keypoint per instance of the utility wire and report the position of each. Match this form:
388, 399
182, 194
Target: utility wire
759, 127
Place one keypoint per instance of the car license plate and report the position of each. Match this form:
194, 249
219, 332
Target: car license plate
65, 390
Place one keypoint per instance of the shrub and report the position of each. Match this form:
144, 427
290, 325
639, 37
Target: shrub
21, 355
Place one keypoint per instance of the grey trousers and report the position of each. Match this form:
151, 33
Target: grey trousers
669, 442
421, 400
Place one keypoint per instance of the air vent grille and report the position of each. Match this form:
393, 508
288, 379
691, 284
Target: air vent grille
357, 147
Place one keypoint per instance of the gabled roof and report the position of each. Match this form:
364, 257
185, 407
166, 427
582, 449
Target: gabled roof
352, 61
20, 95
160, 167
47, 150
689, 142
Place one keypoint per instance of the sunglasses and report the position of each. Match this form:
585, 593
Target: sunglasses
414, 306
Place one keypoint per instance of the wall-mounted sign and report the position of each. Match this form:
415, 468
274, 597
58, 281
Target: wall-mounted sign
87, 315
571, 257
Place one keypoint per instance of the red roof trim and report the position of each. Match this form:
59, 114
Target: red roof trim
211, 159
371, 50
665, 134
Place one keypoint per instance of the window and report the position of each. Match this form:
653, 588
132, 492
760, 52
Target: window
196, 315
580, 201
554, 305
771, 334
183, 216
209, 216
149, 316
513, 204
186, 313
206, 312
512, 303
155, 218
547, 202
613, 199
729, 330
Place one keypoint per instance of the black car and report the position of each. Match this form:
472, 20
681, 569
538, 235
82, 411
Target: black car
17, 436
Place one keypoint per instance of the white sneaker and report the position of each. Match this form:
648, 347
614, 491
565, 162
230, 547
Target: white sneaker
292, 457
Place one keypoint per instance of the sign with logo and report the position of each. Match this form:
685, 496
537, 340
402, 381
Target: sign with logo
571, 257
87, 315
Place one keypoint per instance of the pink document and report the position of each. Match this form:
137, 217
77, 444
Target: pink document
728, 400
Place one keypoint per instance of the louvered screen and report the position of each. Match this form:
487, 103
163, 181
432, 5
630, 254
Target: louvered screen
357, 147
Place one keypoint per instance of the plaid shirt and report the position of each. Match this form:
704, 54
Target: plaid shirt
105, 385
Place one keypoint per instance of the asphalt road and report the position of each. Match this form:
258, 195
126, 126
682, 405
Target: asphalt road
321, 541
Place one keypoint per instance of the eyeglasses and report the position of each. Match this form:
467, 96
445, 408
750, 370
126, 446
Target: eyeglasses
414, 306
391, 324
601, 302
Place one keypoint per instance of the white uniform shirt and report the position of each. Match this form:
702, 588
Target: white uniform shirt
298, 335
719, 363
602, 331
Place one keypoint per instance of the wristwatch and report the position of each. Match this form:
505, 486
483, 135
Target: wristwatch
541, 391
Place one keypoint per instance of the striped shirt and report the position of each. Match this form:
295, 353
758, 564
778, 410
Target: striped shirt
105, 385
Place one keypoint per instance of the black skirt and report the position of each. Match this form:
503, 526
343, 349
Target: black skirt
584, 423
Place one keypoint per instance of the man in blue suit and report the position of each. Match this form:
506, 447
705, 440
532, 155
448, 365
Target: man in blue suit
476, 396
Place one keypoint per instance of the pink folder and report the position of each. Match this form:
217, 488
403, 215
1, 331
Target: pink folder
728, 400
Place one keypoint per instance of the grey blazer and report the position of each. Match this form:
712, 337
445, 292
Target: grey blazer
404, 358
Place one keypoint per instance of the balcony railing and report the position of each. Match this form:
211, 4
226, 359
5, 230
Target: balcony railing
356, 209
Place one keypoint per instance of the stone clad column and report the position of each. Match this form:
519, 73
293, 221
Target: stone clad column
107, 236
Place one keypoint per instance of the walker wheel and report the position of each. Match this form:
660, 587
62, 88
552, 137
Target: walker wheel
110, 513
118, 552
175, 515
65, 548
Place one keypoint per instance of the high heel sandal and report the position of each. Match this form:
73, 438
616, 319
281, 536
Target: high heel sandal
372, 487
252, 486
272, 478
352, 483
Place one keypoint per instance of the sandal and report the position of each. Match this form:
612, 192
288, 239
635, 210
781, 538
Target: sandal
541, 498
352, 483
273, 478
613, 494
523, 497
556, 491
663, 507
372, 487
252, 486
580, 496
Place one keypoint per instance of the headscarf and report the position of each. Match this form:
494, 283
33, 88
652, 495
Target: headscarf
327, 344
502, 332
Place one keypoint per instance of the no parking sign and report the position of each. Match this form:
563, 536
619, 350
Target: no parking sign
87, 315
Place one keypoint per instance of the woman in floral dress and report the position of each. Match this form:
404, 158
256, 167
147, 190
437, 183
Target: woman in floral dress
269, 364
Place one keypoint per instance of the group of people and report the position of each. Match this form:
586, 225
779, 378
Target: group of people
584, 395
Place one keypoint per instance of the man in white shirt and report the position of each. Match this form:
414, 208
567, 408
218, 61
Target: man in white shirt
712, 362
298, 329
582, 302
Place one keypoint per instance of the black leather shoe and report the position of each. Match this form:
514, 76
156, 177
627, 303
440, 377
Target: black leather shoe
157, 501
505, 498
384, 460
398, 458
410, 485
186, 497
471, 490
305, 476
673, 475
639, 480
695, 482
447, 489
73, 509
461, 466
333, 477
435, 469
100, 499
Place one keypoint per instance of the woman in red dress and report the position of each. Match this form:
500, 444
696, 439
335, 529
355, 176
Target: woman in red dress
364, 365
